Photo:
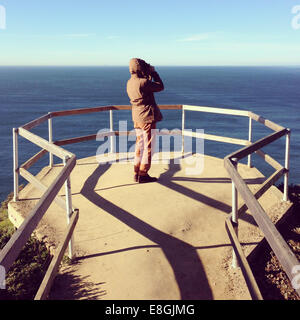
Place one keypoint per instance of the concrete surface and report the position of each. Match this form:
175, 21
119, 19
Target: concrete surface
162, 240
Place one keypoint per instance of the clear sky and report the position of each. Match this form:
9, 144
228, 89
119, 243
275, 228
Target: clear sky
165, 32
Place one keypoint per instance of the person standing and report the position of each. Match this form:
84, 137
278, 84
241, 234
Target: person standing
142, 85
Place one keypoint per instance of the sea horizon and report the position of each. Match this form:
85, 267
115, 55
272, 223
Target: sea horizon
164, 65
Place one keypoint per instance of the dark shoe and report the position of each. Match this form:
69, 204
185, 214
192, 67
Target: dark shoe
146, 179
136, 177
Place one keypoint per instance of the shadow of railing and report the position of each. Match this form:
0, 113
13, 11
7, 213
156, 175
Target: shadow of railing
182, 257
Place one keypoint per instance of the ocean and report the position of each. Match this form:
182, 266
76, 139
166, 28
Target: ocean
29, 92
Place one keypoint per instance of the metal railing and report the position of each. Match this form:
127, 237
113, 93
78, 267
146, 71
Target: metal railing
286, 257
281, 249
14, 246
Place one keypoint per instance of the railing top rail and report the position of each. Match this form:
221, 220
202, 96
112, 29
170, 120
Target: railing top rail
86, 110
44, 144
234, 112
36, 122
225, 111
272, 125
105, 108
244, 152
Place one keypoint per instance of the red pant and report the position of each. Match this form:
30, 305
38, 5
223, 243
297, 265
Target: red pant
144, 147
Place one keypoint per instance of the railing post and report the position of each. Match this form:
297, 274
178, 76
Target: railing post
16, 164
50, 132
234, 215
69, 210
182, 129
287, 166
111, 123
250, 140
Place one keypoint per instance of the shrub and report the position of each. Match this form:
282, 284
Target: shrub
25, 275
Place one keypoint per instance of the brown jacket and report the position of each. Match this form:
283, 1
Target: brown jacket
140, 89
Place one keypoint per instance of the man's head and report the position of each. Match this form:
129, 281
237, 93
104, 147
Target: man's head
139, 67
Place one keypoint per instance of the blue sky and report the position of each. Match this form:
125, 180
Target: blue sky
164, 32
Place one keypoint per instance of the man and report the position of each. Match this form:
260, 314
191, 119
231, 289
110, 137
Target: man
141, 86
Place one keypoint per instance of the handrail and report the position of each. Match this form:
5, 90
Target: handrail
104, 108
215, 138
32, 124
244, 152
14, 246
232, 112
268, 159
285, 256
56, 150
281, 249
264, 187
26, 165
265, 122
